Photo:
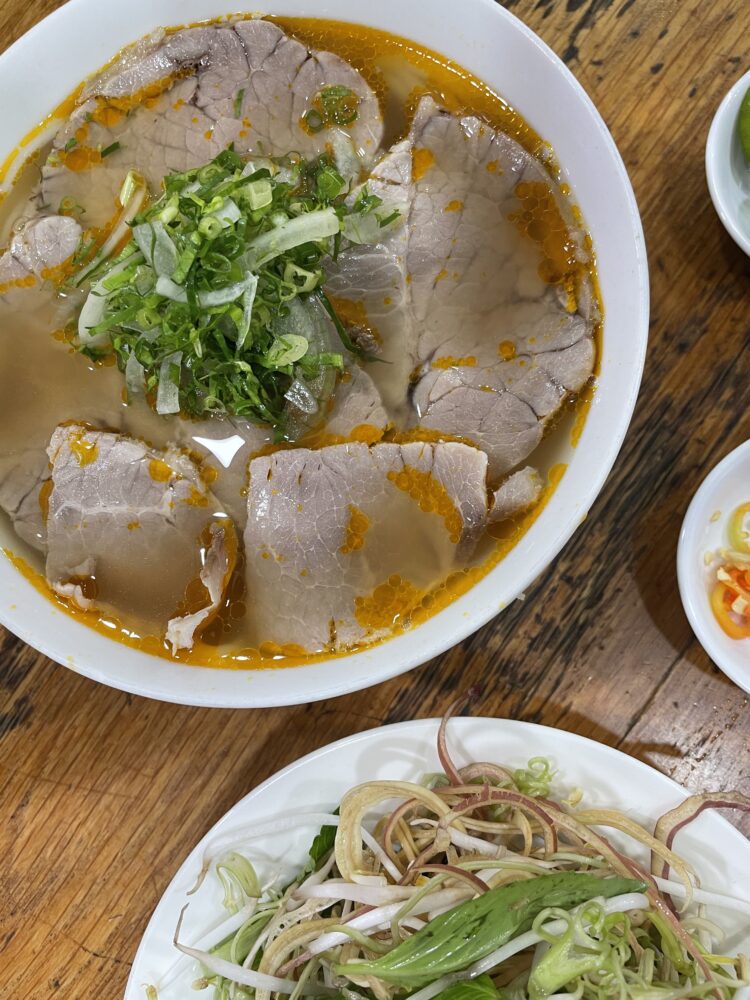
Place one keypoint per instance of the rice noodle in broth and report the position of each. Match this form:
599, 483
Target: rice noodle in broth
366, 456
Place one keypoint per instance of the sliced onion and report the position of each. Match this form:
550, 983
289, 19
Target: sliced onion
91, 314
222, 296
258, 163
362, 228
94, 308
227, 214
307, 228
219, 297
170, 289
301, 397
248, 300
120, 231
309, 320
157, 246
134, 375
168, 393
345, 155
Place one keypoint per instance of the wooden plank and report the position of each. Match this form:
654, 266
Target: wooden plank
102, 794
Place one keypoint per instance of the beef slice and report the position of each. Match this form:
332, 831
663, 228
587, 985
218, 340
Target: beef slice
342, 544
133, 532
463, 295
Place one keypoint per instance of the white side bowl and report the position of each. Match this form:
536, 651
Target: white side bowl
704, 530
48, 62
727, 172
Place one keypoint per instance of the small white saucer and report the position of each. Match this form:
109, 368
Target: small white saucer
705, 530
726, 170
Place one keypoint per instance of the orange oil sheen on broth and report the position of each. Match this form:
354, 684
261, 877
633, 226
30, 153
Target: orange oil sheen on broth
400, 72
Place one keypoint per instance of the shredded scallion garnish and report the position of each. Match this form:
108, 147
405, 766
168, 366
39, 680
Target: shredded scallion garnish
332, 106
203, 305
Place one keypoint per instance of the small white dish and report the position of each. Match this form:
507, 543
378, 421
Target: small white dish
727, 172
406, 751
724, 489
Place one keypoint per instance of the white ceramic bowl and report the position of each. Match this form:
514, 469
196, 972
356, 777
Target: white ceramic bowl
48, 62
726, 170
704, 531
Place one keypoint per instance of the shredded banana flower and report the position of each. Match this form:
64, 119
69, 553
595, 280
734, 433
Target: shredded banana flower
479, 883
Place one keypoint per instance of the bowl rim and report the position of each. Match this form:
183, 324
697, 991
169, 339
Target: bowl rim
690, 592
355, 671
718, 145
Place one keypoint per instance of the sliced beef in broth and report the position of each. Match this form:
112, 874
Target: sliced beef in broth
357, 411
374, 279
225, 445
132, 531
456, 295
40, 245
22, 477
247, 83
343, 542
520, 491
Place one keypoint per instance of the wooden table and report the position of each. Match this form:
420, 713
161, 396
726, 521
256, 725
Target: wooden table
102, 794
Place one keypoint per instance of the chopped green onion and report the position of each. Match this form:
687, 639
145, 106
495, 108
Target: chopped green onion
292, 233
340, 104
303, 281
212, 307
112, 148
259, 194
314, 121
383, 222
128, 187
70, 144
335, 105
330, 184
170, 211
239, 98
286, 350
69, 206
210, 226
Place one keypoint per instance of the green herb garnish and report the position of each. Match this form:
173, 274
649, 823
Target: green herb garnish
469, 932
323, 843
335, 105
215, 305
110, 149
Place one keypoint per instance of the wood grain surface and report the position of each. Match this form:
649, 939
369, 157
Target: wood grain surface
102, 794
